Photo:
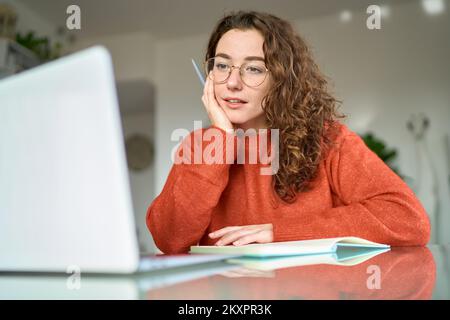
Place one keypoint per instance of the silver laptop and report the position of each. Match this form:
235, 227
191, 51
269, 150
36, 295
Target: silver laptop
65, 201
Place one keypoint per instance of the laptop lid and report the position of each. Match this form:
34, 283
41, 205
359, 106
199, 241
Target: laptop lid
65, 199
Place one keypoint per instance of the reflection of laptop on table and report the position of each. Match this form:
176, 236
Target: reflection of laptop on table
94, 286
64, 192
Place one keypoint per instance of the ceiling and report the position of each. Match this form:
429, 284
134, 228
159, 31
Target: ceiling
177, 18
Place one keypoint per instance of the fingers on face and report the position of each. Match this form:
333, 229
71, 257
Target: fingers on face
205, 93
208, 93
210, 88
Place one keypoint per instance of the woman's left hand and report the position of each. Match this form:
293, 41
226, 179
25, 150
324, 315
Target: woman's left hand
240, 235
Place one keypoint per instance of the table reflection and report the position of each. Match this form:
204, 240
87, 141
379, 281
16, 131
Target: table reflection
404, 273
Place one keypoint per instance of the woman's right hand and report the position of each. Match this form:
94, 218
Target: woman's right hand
215, 112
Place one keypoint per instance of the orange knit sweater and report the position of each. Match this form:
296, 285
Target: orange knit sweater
354, 194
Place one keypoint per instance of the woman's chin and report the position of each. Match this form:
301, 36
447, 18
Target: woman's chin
234, 117
237, 121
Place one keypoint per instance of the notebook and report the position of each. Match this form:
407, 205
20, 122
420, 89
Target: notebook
290, 248
345, 256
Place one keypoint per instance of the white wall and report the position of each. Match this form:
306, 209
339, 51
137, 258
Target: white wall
382, 77
132, 54
178, 101
141, 182
394, 72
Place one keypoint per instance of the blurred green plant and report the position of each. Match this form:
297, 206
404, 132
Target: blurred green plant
379, 147
40, 46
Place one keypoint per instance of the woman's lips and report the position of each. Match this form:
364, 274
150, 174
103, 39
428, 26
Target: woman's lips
234, 105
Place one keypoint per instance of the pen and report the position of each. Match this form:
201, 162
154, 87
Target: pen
199, 73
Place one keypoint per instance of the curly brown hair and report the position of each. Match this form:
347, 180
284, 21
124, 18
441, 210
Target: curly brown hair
298, 104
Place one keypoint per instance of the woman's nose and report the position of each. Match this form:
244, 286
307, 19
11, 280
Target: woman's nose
234, 81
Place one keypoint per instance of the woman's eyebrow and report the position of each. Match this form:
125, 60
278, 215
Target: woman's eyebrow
249, 58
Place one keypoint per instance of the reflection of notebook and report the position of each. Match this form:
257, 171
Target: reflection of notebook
289, 248
343, 256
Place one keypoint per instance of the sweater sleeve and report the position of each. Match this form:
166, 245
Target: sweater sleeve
377, 204
179, 216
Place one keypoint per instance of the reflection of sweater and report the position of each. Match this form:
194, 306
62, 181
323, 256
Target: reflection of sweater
407, 273
353, 194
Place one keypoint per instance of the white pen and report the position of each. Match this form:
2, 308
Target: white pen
199, 73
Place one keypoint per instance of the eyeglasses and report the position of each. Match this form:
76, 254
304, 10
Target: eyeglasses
253, 73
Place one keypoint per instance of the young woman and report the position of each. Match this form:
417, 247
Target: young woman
329, 184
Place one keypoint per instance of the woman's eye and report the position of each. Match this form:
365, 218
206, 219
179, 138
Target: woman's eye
221, 66
252, 69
